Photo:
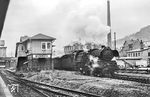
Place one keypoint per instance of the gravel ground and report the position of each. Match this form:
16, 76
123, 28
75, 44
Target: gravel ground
103, 86
27, 92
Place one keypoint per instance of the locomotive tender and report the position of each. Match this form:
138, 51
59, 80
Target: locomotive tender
95, 62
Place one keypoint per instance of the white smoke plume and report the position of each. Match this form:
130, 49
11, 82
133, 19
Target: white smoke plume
66, 20
84, 24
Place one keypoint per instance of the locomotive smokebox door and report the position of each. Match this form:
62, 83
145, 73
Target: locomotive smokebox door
115, 53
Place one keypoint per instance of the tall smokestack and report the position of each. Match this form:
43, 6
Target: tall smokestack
108, 24
115, 40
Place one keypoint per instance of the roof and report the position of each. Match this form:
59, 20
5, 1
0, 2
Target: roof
40, 36
2, 66
146, 43
138, 50
130, 58
6, 58
132, 41
74, 43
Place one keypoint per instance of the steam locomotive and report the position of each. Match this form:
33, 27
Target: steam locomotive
95, 62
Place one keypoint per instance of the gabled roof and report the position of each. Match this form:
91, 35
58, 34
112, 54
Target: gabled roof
138, 50
39, 37
42, 36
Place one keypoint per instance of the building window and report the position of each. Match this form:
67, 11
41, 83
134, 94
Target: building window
130, 46
46, 45
43, 46
136, 54
133, 54
139, 54
22, 48
148, 53
128, 54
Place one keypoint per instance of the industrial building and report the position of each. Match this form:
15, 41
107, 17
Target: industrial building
75, 46
5, 62
135, 53
131, 45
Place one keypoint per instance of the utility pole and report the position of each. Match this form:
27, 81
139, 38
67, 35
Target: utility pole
52, 58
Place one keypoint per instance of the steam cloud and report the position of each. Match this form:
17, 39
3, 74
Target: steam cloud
66, 20
83, 23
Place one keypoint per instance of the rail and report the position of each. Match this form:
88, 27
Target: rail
53, 89
130, 77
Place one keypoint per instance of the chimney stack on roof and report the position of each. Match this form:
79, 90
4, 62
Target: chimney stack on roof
141, 44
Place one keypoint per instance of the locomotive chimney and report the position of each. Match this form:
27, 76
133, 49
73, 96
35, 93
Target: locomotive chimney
108, 24
141, 45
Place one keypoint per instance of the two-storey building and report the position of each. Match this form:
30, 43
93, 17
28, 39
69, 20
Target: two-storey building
137, 57
131, 45
34, 53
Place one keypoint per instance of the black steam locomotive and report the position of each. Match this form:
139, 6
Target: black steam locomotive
95, 62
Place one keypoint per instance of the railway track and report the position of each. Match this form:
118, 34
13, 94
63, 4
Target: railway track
8, 82
50, 90
139, 71
11, 80
132, 77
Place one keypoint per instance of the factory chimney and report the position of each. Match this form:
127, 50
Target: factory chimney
115, 40
108, 24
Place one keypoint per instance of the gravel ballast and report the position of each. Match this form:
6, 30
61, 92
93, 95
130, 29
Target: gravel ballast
106, 87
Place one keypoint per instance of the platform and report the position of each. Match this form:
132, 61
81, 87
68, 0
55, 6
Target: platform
4, 91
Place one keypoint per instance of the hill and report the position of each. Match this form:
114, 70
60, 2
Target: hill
143, 34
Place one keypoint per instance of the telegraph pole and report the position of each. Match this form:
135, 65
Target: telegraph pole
52, 58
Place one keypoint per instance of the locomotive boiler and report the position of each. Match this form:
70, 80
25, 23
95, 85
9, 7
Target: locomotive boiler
95, 62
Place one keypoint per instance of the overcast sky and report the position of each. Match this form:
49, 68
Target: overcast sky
72, 20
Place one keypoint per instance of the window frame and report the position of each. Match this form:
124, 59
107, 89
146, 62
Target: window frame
46, 45
148, 54
42, 45
49, 45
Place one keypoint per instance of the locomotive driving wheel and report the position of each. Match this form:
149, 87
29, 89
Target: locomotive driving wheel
97, 72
